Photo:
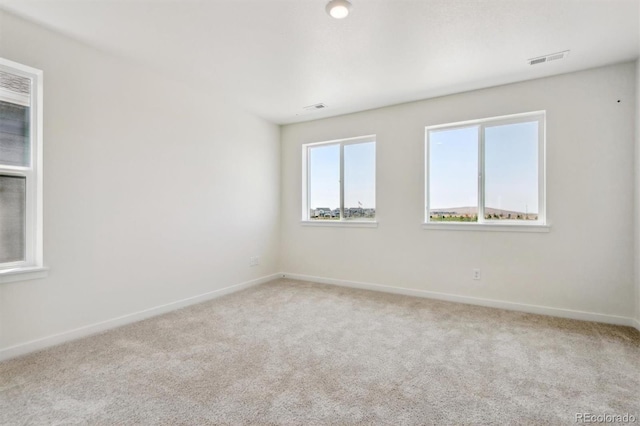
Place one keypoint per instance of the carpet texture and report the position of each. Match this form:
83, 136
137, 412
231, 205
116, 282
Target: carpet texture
297, 353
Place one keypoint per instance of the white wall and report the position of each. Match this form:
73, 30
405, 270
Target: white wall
585, 263
154, 192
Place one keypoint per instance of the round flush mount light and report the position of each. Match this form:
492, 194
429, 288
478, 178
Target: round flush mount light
338, 8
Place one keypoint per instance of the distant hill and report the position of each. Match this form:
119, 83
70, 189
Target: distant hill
462, 211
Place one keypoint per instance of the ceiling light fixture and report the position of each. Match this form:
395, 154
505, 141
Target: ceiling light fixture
338, 8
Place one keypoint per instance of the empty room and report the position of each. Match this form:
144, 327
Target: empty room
319, 212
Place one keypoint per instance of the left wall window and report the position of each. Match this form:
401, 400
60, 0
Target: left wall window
20, 168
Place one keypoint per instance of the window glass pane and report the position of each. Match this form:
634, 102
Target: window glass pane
12, 218
511, 171
453, 175
14, 134
324, 182
360, 181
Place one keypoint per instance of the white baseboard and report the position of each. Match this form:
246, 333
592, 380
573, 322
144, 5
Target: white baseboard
87, 330
500, 304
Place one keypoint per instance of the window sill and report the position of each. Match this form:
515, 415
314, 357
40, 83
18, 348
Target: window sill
23, 274
486, 227
341, 223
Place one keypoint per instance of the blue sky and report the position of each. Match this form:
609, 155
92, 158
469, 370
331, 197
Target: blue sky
511, 167
359, 175
453, 172
511, 170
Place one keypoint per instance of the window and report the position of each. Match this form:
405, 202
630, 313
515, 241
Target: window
339, 181
20, 168
488, 172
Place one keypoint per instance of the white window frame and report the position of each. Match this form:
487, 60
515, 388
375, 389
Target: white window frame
33, 265
483, 224
306, 185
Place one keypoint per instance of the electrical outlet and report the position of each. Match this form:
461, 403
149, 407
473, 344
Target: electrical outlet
254, 261
476, 274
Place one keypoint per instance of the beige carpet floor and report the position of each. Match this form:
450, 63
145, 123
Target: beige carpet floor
296, 353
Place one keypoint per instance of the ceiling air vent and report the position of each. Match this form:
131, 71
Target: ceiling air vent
548, 58
314, 107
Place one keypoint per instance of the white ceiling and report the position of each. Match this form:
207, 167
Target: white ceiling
274, 57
